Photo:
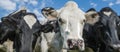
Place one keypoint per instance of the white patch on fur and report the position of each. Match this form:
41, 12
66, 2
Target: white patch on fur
107, 13
44, 45
49, 36
30, 20
9, 45
115, 46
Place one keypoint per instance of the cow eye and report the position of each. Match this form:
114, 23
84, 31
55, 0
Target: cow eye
50, 12
62, 21
94, 15
84, 20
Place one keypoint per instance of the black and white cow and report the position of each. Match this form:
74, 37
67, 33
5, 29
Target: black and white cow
118, 28
26, 28
104, 31
90, 35
109, 20
71, 20
51, 37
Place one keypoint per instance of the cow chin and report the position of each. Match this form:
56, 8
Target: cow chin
83, 47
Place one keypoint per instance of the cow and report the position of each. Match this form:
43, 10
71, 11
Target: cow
71, 20
109, 18
104, 31
25, 28
118, 28
51, 36
89, 32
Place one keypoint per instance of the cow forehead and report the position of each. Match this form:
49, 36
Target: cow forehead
72, 20
71, 4
75, 15
107, 13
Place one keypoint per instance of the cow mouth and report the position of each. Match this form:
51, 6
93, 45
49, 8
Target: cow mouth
74, 44
115, 46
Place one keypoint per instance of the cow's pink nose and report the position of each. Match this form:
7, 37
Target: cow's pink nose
72, 43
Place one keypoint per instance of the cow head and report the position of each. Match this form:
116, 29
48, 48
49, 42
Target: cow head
89, 33
71, 21
106, 23
109, 21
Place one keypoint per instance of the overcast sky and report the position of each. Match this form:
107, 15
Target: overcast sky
35, 6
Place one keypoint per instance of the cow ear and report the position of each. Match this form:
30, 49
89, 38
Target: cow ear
54, 14
92, 18
51, 15
23, 11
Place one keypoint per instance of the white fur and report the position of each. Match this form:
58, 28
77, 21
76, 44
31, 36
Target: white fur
8, 45
48, 40
116, 45
107, 13
30, 20
73, 17
44, 45
49, 36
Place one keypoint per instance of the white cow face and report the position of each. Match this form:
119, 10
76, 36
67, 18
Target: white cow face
71, 24
73, 20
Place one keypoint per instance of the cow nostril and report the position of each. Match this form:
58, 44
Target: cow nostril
66, 32
80, 41
69, 41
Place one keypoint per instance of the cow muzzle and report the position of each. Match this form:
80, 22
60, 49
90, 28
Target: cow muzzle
116, 46
75, 44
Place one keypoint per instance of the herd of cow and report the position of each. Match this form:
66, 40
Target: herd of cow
66, 29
